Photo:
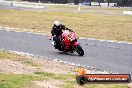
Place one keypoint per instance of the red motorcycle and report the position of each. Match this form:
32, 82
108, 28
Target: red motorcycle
68, 43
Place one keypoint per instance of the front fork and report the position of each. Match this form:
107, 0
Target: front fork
74, 44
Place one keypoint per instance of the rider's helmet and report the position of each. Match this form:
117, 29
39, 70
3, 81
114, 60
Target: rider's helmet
57, 23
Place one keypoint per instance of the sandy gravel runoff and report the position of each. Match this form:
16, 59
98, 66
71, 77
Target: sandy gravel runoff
17, 67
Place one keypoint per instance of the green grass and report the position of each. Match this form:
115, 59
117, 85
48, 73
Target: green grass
9, 55
111, 27
8, 80
15, 57
64, 76
24, 81
56, 76
14, 81
44, 74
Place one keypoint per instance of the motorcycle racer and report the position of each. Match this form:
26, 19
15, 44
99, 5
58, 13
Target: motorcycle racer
57, 31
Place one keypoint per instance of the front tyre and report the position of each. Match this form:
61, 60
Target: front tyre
79, 50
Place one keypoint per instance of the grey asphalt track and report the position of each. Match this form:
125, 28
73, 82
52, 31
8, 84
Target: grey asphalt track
108, 56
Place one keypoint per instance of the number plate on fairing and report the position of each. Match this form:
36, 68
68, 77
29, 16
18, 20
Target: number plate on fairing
67, 45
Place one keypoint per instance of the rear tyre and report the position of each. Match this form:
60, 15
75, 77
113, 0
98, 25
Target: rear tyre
79, 50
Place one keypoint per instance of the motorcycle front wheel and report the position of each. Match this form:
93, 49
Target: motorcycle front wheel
79, 50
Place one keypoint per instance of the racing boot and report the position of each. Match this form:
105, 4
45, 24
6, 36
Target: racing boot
54, 44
